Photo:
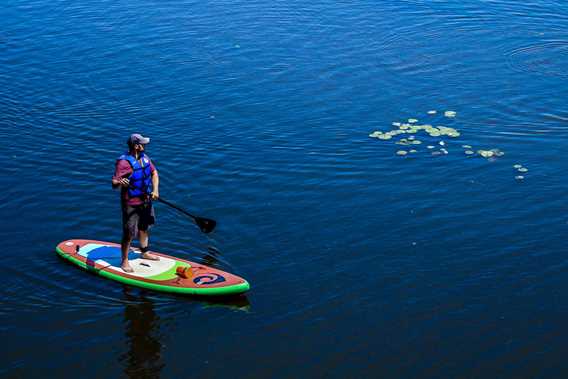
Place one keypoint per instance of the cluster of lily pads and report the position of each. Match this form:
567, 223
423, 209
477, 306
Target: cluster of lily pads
520, 169
492, 153
409, 129
412, 127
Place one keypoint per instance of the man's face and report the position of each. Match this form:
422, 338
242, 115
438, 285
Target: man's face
140, 147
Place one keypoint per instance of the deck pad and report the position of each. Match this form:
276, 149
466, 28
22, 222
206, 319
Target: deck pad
110, 256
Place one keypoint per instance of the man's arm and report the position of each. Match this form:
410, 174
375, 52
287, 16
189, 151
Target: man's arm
120, 182
121, 170
155, 185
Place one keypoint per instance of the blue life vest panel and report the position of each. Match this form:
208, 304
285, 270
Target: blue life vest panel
141, 178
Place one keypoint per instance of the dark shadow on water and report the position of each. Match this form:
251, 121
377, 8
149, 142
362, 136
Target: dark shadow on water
229, 302
235, 303
143, 358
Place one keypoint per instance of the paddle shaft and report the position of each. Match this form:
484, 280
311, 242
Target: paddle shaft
206, 225
176, 207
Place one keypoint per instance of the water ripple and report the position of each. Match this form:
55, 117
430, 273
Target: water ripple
548, 58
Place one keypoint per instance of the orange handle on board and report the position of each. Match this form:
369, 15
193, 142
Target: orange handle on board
184, 271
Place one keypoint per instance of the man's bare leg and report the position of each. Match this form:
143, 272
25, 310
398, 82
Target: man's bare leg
124, 248
143, 238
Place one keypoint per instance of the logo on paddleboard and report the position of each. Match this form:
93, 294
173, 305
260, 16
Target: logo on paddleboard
208, 279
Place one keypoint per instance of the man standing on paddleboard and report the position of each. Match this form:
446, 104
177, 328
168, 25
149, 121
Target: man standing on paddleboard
138, 178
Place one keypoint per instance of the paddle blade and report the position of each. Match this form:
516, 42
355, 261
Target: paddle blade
206, 225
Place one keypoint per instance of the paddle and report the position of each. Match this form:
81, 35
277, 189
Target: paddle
206, 225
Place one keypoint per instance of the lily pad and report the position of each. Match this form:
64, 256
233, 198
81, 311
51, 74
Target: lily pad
432, 112
450, 114
485, 153
412, 121
466, 146
401, 152
519, 177
444, 130
523, 169
497, 152
469, 152
517, 166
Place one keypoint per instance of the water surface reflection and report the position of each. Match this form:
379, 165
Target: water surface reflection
143, 358
145, 350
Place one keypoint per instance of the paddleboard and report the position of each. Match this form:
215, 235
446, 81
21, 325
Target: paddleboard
169, 274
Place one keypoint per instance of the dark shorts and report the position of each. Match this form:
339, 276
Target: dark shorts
137, 218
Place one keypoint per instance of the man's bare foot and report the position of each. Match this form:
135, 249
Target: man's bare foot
126, 267
150, 257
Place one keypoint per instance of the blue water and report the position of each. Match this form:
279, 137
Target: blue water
362, 263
